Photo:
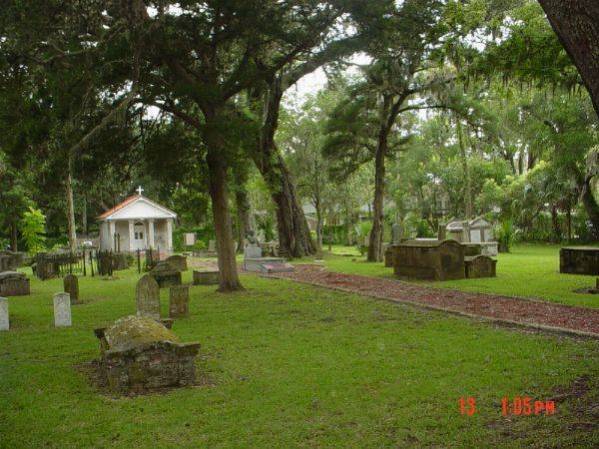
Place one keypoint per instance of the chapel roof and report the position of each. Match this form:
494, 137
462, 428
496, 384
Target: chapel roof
137, 206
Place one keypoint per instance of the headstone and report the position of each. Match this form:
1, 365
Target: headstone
165, 274
396, 233
579, 260
441, 232
178, 301
71, 286
480, 267
4, 322
147, 295
205, 277
178, 262
212, 246
189, 238
62, 310
252, 251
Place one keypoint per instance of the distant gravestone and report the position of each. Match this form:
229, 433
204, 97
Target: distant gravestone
62, 310
71, 286
441, 232
252, 251
205, 277
396, 233
178, 262
178, 301
189, 238
212, 246
4, 322
147, 294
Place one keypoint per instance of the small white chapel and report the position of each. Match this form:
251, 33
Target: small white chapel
137, 223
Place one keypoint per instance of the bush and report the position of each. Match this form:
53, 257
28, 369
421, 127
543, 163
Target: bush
505, 235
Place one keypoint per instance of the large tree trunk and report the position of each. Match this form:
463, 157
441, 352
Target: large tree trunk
576, 23
590, 206
243, 216
217, 182
293, 230
375, 244
72, 233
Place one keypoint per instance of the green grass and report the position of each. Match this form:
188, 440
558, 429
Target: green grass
530, 271
287, 365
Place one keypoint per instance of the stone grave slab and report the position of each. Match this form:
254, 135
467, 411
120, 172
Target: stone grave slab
205, 277
62, 310
147, 296
480, 267
71, 286
267, 265
178, 301
4, 319
179, 263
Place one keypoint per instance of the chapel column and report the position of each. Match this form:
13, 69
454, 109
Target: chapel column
169, 234
151, 233
131, 234
111, 235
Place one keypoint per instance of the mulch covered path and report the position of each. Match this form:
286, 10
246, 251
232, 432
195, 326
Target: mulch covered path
533, 313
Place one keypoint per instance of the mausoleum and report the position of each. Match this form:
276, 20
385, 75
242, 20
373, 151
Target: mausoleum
137, 223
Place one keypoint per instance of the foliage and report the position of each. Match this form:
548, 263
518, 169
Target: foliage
505, 234
33, 228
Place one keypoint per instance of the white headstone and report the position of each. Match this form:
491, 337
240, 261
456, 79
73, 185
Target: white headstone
4, 324
189, 238
62, 309
252, 251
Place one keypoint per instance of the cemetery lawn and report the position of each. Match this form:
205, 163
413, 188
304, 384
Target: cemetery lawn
528, 271
289, 365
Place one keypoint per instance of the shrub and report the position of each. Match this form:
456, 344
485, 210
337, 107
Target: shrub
505, 234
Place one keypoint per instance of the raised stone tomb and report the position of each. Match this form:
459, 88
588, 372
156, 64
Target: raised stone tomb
139, 354
579, 260
429, 259
205, 277
14, 283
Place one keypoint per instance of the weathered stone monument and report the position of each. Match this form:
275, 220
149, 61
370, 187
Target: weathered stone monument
178, 301
396, 233
14, 283
165, 274
4, 320
71, 286
147, 296
253, 261
205, 277
480, 267
478, 231
429, 259
579, 260
179, 263
62, 310
11, 260
139, 354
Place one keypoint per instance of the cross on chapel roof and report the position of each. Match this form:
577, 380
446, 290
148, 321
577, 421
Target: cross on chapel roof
139, 190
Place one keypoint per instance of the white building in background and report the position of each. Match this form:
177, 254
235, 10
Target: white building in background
137, 223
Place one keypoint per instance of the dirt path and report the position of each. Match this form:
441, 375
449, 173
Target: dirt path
533, 313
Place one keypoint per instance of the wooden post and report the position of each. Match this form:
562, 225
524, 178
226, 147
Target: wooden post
138, 261
91, 260
84, 269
